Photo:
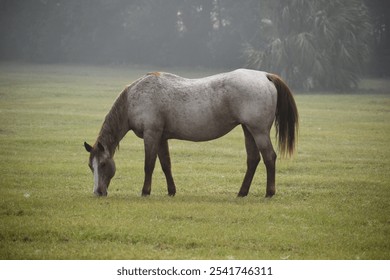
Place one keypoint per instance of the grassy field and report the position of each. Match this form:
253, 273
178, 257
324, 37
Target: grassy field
332, 201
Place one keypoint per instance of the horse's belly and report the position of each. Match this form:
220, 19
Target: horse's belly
198, 129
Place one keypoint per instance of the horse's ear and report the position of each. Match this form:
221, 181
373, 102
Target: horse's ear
100, 146
88, 147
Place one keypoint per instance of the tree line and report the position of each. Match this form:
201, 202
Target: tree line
313, 44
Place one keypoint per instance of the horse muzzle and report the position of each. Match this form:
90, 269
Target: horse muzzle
100, 193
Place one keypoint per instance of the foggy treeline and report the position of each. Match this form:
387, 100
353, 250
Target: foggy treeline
313, 44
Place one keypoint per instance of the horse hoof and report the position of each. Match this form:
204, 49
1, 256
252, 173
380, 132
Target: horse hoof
145, 193
242, 194
171, 194
269, 195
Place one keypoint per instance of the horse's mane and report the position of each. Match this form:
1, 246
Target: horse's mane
115, 123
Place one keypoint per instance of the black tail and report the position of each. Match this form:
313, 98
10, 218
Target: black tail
286, 117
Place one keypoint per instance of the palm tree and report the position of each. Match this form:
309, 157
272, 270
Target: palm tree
318, 44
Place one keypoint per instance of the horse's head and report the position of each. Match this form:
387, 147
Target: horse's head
102, 166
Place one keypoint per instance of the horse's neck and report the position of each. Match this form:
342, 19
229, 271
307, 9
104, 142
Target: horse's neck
115, 125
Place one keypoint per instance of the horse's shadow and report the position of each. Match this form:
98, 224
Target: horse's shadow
191, 198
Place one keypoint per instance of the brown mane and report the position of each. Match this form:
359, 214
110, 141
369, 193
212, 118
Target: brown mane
154, 73
115, 125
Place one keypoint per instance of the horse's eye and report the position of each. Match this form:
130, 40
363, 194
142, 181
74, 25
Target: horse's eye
103, 165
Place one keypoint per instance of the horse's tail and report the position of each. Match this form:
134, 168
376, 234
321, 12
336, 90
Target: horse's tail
286, 117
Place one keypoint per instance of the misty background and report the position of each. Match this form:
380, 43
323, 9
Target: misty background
312, 44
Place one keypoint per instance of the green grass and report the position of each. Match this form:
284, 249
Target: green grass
332, 201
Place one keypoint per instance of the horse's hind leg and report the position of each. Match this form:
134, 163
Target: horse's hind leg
253, 159
165, 160
264, 145
269, 157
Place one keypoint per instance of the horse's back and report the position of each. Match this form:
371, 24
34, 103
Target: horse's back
245, 81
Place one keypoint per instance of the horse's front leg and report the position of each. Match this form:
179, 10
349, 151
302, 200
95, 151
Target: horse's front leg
165, 160
151, 144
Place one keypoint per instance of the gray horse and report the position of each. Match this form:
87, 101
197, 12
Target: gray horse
161, 106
